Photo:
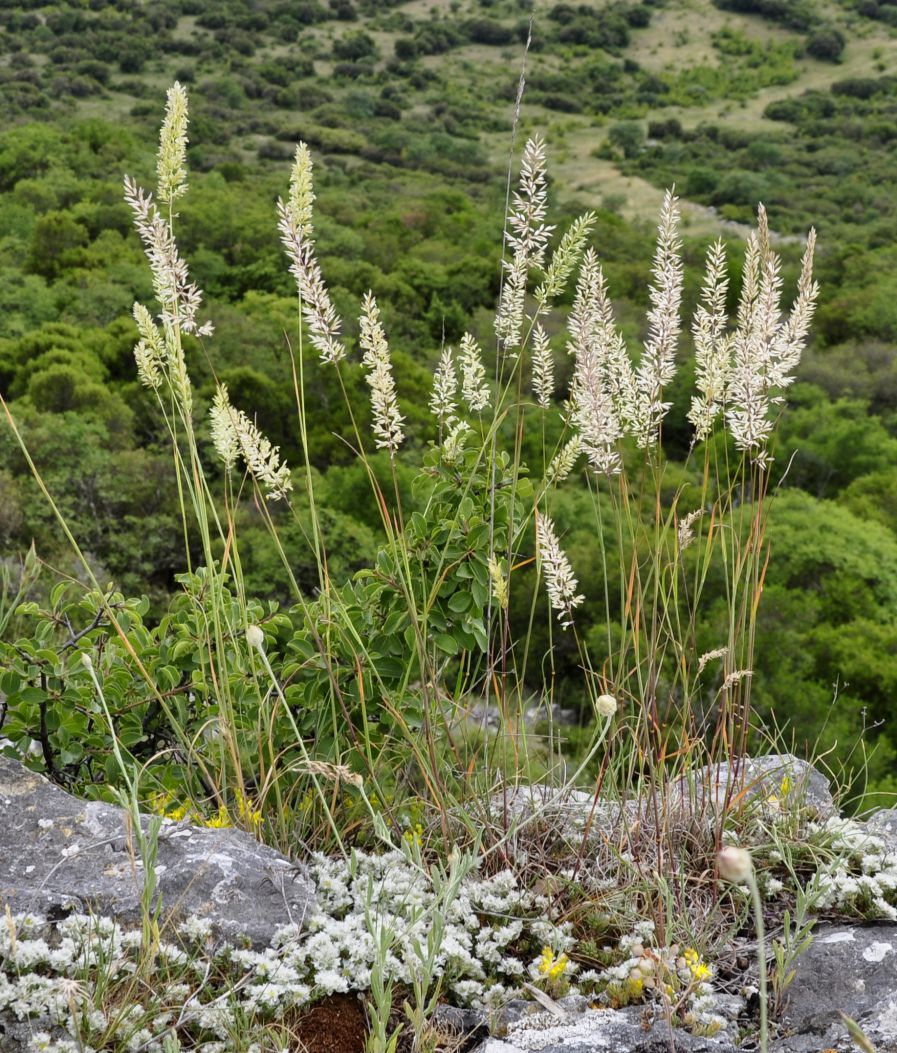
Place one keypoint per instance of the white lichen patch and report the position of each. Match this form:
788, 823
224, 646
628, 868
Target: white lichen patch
877, 952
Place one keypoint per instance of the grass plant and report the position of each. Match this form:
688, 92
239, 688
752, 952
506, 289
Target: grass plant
344, 721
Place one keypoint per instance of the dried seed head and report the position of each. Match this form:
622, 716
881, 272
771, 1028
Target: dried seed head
606, 706
734, 864
255, 637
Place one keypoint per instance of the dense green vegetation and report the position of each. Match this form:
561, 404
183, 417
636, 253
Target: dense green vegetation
408, 108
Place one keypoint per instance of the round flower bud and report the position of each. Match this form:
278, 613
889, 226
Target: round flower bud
734, 864
255, 637
606, 706
86, 660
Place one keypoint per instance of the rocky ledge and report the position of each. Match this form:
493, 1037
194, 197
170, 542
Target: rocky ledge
59, 854
848, 969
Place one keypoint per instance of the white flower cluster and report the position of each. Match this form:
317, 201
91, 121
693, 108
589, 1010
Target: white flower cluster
486, 924
678, 977
51, 972
861, 876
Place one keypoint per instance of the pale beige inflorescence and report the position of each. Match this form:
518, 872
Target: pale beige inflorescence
527, 237
560, 581
387, 421
171, 163
543, 367
741, 371
233, 432
443, 404
474, 389
296, 235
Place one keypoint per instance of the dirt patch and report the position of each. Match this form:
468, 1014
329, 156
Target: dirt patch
336, 1025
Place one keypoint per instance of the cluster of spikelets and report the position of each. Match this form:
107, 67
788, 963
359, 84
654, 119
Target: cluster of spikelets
742, 370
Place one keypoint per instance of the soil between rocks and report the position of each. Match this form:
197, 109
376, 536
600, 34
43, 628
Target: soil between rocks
335, 1025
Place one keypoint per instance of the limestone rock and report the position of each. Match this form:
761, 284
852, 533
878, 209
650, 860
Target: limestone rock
614, 1030
848, 968
883, 824
761, 776
58, 853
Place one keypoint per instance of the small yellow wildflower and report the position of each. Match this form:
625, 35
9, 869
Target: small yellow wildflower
551, 967
696, 966
163, 804
414, 836
219, 821
635, 985
247, 811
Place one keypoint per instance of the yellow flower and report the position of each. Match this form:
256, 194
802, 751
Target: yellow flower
415, 836
696, 966
220, 821
551, 967
247, 812
635, 986
161, 804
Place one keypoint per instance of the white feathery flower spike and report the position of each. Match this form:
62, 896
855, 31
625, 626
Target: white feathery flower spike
224, 434
231, 425
474, 389
765, 347
560, 582
176, 363
712, 345
594, 414
149, 352
388, 421
445, 389
294, 224
527, 238
603, 396
171, 162
711, 656
563, 462
564, 260
178, 297
658, 363
685, 530
543, 367
453, 446
302, 192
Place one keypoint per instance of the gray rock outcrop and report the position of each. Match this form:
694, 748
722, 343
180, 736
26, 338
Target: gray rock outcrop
614, 1030
851, 969
61, 854
719, 785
